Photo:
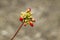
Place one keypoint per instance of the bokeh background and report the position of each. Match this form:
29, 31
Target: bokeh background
46, 13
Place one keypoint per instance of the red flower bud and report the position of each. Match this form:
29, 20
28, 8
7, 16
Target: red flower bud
21, 19
31, 24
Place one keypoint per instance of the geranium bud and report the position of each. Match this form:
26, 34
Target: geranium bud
21, 19
31, 24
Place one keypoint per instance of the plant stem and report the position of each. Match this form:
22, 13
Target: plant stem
17, 31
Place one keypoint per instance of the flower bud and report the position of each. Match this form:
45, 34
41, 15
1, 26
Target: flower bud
31, 23
33, 20
21, 19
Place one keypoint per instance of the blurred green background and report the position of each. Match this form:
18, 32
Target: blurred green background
46, 13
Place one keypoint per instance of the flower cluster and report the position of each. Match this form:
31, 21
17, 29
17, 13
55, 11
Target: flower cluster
27, 18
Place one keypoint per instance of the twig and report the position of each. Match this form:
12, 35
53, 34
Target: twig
17, 31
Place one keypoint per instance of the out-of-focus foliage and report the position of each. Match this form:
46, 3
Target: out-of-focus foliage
46, 13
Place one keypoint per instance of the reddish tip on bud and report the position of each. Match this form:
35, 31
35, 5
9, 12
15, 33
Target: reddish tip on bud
21, 19
31, 24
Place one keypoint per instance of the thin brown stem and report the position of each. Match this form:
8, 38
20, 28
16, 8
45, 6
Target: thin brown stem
17, 31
